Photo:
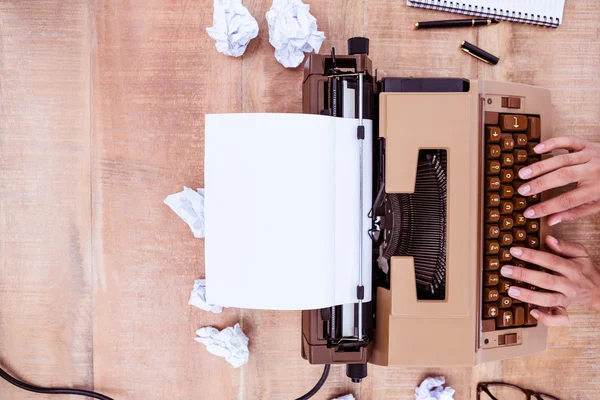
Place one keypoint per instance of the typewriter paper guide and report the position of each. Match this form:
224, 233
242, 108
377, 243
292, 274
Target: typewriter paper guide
282, 210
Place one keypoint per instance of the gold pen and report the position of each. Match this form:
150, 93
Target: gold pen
478, 53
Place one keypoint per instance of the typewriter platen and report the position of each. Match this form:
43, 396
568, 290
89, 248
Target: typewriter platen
447, 153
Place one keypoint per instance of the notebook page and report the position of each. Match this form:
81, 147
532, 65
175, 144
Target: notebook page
274, 211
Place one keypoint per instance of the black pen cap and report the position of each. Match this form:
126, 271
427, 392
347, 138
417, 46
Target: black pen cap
479, 53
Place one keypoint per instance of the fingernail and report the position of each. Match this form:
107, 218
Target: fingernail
514, 292
525, 172
506, 271
553, 240
515, 251
524, 189
529, 213
535, 313
539, 147
556, 221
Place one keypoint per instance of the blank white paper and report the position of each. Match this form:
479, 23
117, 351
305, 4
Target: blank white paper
282, 210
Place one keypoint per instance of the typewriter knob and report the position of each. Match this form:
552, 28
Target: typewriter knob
356, 372
358, 45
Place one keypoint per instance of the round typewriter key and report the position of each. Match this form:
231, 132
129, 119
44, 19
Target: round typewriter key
506, 207
491, 263
521, 140
505, 302
492, 215
492, 167
492, 134
519, 234
506, 191
492, 231
532, 226
533, 198
506, 223
507, 160
507, 142
532, 242
490, 311
490, 294
530, 150
506, 239
519, 219
506, 175
490, 279
493, 151
504, 319
520, 203
520, 264
520, 156
503, 286
505, 255
492, 183
492, 200
492, 247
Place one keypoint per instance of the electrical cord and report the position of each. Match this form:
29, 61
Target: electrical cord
37, 389
319, 384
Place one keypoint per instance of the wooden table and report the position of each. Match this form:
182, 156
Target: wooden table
102, 109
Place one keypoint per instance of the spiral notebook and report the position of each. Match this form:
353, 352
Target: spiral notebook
538, 12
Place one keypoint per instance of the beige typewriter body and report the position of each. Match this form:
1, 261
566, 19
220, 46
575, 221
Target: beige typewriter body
448, 332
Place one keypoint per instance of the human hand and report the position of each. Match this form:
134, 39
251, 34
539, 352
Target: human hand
581, 165
576, 280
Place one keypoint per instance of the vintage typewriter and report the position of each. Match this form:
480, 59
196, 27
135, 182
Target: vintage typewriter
446, 212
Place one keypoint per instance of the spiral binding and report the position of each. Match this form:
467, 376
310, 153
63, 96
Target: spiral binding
489, 12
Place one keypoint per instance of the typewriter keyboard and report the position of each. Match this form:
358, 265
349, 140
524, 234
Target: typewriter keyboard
509, 143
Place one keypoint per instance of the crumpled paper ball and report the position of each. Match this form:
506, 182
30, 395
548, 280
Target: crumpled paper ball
230, 343
233, 27
292, 31
189, 206
432, 389
198, 297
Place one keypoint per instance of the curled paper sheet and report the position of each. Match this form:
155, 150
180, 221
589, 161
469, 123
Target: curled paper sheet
292, 31
189, 205
432, 389
233, 27
198, 297
230, 343
346, 397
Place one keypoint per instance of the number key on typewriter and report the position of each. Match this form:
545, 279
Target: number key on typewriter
506, 207
506, 176
492, 167
520, 203
506, 239
492, 247
490, 294
490, 311
506, 191
493, 151
491, 263
505, 255
492, 215
492, 199
492, 231
507, 160
513, 123
533, 128
532, 226
519, 234
521, 140
520, 156
492, 183
504, 319
503, 286
519, 219
490, 279
519, 315
532, 242
492, 134
507, 142
506, 223
505, 302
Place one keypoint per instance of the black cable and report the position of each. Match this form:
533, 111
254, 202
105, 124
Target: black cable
37, 389
319, 384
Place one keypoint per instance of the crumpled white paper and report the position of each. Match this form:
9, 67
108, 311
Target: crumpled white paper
431, 389
189, 205
198, 297
346, 397
233, 27
230, 343
292, 31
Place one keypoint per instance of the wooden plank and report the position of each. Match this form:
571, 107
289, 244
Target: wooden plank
45, 235
156, 73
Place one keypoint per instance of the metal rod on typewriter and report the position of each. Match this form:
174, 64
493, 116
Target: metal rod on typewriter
360, 133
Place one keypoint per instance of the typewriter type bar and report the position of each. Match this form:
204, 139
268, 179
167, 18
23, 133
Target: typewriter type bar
341, 86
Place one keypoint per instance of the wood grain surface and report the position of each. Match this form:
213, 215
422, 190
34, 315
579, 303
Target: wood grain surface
102, 109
